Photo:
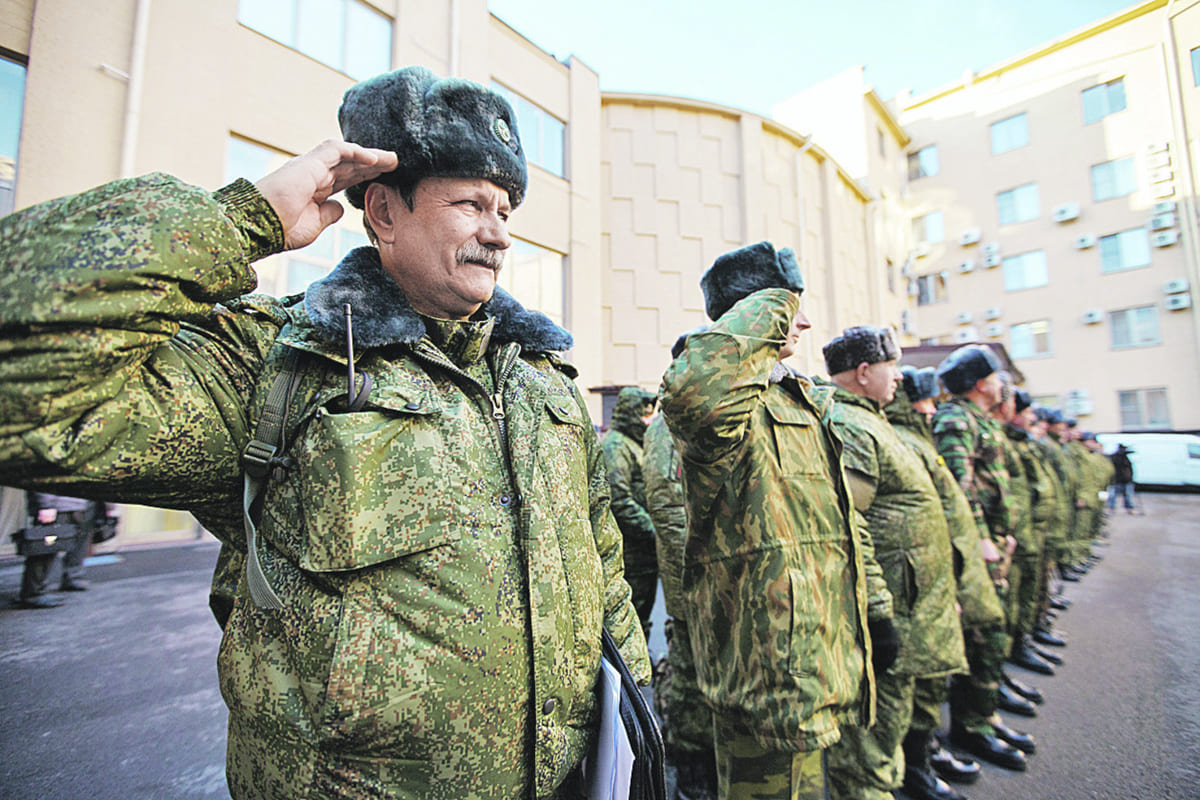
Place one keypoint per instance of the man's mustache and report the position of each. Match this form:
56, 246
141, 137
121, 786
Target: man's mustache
475, 253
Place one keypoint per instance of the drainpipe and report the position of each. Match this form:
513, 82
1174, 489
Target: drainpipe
133, 93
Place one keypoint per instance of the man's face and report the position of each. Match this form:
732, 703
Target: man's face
1038, 429
799, 325
1007, 410
879, 381
1025, 420
927, 408
990, 387
445, 252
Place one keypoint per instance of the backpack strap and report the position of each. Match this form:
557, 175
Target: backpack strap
260, 462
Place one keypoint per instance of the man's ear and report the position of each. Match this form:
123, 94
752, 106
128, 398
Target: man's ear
381, 208
860, 373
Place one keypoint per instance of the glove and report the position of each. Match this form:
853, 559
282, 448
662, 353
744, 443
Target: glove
885, 642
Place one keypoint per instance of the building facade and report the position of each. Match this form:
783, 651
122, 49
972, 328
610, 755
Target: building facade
1053, 210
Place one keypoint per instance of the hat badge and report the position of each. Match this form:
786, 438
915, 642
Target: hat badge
500, 127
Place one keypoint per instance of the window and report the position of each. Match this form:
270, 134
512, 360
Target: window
1196, 66
291, 273
345, 34
1113, 179
12, 101
1018, 205
1100, 101
931, 289
1046, 400
1030, 339
534, 276
1144, 408
1009, 134
929, 228
1125, 250
1134, 327
923, 163
542, 135
1025, 271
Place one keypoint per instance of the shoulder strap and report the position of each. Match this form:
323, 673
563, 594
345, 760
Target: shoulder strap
260, 461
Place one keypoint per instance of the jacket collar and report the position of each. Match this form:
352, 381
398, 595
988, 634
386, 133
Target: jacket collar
383, 316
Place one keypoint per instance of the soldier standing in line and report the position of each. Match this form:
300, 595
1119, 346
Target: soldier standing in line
969, 440
892, 489
784, 601
1058, 436
622, 448
688, 722
1059, 474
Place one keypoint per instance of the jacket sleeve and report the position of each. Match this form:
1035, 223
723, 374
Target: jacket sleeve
120, 377
623, 468
879, 597
952, 436
709, 392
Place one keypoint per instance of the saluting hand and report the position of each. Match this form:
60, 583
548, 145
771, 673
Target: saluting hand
299, 191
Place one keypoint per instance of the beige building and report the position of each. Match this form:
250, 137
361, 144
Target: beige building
1053, 210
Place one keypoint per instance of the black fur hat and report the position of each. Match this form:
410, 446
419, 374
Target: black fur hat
742, 272
966, 366
438, 127
863, 343
1051, 416
681, 342
919, 384
1024, 400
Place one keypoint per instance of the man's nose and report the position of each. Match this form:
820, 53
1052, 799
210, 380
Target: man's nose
802, 320
493, 232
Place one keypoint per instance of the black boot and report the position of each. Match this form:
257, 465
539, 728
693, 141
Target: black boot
989, 747
1018, 739
1010, 701
948, 766
1044, 634
1060, 602
1023, 656
1030, 693
1048, 656
919, 781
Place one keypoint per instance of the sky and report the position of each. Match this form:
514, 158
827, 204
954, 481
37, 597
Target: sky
751, 54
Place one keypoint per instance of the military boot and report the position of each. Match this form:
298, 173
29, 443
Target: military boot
1023, 655
919, 781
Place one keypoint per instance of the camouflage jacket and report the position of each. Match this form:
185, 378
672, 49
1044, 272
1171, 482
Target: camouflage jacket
908, 529
1020, 489
1058, 474
1044, 509
774, 576
969, 441
662, 470
622, 448
444, 573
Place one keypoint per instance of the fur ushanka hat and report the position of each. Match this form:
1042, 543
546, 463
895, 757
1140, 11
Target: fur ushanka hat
966, 366
1024, 400
438, 127
919, 384
863, 343
744, 271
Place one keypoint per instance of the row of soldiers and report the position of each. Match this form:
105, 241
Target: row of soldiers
840, 557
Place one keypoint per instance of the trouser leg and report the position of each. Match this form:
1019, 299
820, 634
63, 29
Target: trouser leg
973, 696
868, 763
73, 558
689, 721
645, 587
747, 771
36, 575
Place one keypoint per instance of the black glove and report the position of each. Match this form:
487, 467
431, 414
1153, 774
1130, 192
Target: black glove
885, 641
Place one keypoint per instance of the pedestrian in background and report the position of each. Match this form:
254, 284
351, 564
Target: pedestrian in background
47, 509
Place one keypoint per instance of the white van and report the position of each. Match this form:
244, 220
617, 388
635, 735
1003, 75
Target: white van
1159, 459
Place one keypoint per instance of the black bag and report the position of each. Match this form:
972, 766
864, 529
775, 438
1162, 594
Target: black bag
105, 529
40, 540
649, 779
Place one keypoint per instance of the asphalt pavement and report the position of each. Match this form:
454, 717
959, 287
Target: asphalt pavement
114, 694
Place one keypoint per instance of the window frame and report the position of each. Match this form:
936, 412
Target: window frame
533, 137
1117, 238
1024, 115
349, 52
919, 167
938, 285
1103, 90
1022, 259
1033, 351
923, 220
1133, 326
1116, 165
1016, 203
1142, 399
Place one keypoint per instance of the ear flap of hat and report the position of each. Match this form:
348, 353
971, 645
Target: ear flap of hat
740, 273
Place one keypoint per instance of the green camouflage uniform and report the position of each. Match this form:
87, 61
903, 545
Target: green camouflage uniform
1058, 477
1068, 471
976, 592
1028, 568
971, 443
1022, 530
688, 730
776, 584
912, 545
622, 448
445, 557
1103, 474
1087, 502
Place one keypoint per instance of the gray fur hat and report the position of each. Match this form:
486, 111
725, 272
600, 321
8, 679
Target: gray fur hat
919, 384
438, 127
740, 273
681, 342
862, 343
966, 366
1024, 400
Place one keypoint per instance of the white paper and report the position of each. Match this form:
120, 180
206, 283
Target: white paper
609, 766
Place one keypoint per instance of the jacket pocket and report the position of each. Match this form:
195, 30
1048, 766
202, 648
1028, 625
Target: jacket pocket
807, 627
373, 485
799, 444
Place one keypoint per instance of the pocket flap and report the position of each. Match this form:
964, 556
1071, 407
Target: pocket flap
790, 415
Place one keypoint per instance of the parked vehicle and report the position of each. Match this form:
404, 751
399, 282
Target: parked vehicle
1159, 459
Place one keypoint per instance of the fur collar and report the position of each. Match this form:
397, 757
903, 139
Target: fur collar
382, 314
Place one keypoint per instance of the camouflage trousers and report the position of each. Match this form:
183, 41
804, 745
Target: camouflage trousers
868, 763
746, 771
1025, 577
973, 696
928, 696
688, 721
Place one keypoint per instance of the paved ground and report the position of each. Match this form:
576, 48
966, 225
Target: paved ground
114, 694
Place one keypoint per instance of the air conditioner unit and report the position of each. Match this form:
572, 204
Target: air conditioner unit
1158, 147
1163, 189
1177, 302
969, 236
1093, 316
907, 326
1160, 221
991, 248
1085, 241
1158, 160
992, 312
1164, 206
994, 329
1161, 175
922, 249
1176, 286
1164, 238
962, 317
991, 261
906, 271
1066, 212
966, 266
965, 335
